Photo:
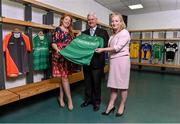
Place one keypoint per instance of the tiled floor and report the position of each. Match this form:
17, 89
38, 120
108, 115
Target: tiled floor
153, 97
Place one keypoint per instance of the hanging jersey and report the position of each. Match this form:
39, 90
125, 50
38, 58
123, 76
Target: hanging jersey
170, 49
41, 52
134, 50
157, 51
146, 51
81, 49
16, 46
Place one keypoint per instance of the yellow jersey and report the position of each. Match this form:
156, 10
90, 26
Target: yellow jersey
134, 50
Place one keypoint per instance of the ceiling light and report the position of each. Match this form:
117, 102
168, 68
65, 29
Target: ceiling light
137, 6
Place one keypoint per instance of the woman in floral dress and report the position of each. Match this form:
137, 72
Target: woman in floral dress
62, 36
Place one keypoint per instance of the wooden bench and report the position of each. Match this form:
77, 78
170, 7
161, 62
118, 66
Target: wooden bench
28, 90
156, 65
7, 97
35, 88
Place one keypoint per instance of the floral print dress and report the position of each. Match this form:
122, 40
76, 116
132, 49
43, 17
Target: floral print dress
61, 67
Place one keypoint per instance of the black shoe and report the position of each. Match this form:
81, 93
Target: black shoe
120, 114
96, 107
85, 104
112, 110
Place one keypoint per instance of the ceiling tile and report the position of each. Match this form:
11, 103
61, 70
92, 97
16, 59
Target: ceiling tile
117, 6
107, 1
149, 5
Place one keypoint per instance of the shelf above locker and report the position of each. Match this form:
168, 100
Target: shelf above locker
156, 30
156, 39
24, 23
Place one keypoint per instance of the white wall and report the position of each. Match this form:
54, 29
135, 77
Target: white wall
15, 10
82, 7
158, 20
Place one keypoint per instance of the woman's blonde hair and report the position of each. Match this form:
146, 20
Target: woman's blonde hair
70, 26
122, 24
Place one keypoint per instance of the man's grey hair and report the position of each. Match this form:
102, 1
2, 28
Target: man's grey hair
92, 14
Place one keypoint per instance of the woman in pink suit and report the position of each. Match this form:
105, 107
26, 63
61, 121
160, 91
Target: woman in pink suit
119, 71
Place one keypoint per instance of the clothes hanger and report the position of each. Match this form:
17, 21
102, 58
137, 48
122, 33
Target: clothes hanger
16, 30
156, 42
135, 42
16, 33
146, 42
170, 42
41, 33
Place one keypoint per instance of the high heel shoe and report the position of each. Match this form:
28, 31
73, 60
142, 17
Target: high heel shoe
120, 114
70, 108
60, 105
112, 110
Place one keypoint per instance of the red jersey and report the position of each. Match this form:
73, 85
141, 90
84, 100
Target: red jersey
16, 46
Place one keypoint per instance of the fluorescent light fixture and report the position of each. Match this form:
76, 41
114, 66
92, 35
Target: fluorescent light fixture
137, 6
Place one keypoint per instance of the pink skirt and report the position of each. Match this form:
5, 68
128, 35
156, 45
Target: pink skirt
119, 73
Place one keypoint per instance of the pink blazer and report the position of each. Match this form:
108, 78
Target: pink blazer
120, 42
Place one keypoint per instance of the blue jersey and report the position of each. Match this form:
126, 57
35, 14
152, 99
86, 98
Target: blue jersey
146, 51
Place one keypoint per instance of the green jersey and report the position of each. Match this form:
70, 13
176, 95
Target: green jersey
157, 51
81, 49
40, 52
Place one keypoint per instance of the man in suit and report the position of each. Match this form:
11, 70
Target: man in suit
94, 72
